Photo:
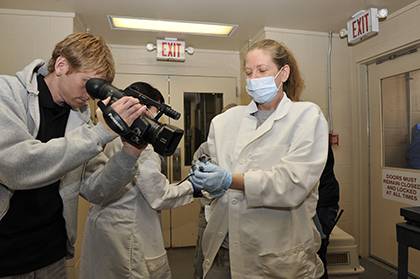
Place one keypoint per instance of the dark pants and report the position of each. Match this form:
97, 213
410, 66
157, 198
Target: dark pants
220, 268
55, 270
326, 216
199, 258
221, 264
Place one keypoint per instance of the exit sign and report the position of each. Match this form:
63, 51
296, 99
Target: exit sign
362, 25
170, 50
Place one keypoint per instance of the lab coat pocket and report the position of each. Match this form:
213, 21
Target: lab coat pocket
299, 262
158, 267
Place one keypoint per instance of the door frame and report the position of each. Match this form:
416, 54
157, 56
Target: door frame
382, 226
361, 139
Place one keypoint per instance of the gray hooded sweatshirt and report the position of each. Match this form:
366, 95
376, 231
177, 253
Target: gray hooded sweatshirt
75, 159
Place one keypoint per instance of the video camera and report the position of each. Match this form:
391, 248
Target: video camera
163, 137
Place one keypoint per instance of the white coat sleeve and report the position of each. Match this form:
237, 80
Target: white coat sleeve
211, 144
290, 182
154, 186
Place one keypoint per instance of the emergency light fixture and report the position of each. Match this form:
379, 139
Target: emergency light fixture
170, 49
363, 24
382, 13
144, 24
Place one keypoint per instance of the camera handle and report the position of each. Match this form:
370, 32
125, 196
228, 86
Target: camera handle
118, 125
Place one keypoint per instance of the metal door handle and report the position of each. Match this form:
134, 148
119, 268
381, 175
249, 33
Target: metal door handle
176, 165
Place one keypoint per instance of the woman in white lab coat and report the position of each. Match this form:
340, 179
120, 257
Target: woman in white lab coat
270, 155
123, 236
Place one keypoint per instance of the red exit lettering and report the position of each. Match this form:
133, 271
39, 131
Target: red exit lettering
361, 25
171, 49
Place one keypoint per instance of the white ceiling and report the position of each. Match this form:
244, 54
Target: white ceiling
251, 16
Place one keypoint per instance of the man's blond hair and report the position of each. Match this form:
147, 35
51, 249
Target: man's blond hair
85, 52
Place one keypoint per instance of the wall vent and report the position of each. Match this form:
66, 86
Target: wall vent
338, 258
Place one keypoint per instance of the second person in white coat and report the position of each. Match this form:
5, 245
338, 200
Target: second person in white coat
123, 236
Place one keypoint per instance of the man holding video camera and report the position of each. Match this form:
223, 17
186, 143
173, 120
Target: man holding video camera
46, 148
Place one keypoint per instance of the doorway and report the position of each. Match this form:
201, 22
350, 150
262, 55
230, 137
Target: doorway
198, 99
394, 111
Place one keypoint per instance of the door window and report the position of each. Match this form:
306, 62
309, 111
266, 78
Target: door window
199, 110
401, 120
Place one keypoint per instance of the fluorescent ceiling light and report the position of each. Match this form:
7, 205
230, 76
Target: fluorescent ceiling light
143, 24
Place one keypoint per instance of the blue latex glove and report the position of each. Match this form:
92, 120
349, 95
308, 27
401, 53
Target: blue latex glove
211, 178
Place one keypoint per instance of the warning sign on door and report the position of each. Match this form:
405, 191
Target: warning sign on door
401, 186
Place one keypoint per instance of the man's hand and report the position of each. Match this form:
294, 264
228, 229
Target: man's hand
128, 108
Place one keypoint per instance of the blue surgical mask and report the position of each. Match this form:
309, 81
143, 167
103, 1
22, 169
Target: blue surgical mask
262, 90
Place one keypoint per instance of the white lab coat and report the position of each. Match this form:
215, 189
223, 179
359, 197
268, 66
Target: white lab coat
271, 232
123, 238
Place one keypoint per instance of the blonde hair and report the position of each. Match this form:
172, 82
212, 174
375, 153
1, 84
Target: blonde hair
85, 52
281, 56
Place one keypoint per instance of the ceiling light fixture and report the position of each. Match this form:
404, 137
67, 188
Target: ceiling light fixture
143, 24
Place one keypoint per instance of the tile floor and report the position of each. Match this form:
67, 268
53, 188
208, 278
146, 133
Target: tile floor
181, 262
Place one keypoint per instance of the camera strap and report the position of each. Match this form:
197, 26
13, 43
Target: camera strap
118, 125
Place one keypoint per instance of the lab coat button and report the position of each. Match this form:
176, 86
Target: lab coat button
234, 201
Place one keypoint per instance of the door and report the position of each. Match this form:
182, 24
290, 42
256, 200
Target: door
394, 110
198, 98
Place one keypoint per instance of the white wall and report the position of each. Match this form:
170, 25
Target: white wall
26, 35
136, 59
204, 62
311, 50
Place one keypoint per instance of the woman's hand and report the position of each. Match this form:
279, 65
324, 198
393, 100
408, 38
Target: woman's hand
211, 178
